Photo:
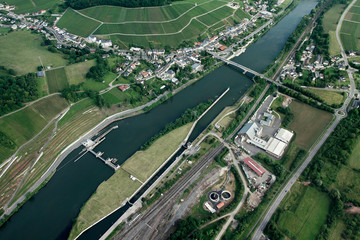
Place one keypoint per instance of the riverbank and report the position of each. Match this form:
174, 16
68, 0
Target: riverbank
84, 176
143, 165
74, 144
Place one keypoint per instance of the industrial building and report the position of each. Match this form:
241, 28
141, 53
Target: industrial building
254, 166
275, 146
284, 135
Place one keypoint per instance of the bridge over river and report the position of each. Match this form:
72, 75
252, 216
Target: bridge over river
245, 69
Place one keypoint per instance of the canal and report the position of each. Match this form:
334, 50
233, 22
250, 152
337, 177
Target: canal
50, 213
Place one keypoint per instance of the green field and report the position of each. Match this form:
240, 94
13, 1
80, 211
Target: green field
76, 23
119, 186
330, 97
354, 161
308, 123
61, 78
349, 180
24, 6
76, 73
25, 124
114, 14
350, 29
20, 50
305, 211
115, 96
337, 230
334, 48
160, 26
330, 21
57, 80
144, 163
116, 189
331, 17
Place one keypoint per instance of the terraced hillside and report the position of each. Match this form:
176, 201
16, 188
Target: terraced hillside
166, 25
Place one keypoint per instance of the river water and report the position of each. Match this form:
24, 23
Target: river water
50, 213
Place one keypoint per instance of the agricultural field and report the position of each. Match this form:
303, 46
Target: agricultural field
303, 213
60, 78
28, 53
76, 73
115, 14
308, 123
30, 6
73, 22
166, 25
25, 124
350, 29
330, 21
332, 16
141, 165
56, 80
330, 97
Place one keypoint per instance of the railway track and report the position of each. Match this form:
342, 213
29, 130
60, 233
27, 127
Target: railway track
142, 226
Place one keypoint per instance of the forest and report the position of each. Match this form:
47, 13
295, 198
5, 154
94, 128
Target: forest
80, 4
14, 91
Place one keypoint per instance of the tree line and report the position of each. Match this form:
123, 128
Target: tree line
190, 115
289, 115
15, 91
80, 4
98, 71
304, 99
336, 151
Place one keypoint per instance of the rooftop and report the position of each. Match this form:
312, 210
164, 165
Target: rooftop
254, 166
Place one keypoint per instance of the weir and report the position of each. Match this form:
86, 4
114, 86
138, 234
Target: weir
91, 144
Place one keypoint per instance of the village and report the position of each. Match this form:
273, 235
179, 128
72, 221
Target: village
161, 60
314, 70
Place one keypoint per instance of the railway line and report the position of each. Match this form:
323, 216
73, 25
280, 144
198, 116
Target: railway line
146, 225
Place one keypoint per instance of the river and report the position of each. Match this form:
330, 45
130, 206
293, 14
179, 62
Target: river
50, 213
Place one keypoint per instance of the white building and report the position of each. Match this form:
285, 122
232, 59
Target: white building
275, 147
284, 135
91, 39
106, 43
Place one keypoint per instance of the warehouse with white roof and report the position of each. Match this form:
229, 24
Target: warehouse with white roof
284, 135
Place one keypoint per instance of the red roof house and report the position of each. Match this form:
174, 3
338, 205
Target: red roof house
222, 48
254, 166
123, 88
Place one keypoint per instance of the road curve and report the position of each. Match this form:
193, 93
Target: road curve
270, 210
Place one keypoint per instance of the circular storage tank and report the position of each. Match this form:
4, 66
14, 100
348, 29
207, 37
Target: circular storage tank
214, 197
226, 195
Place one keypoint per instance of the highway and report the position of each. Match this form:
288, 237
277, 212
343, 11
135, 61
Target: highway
272, 208
146, 224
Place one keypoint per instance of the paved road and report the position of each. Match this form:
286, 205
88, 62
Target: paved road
239, 206
148, 222
344, 56
29, 104
307, 30
141, 225
270, 210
